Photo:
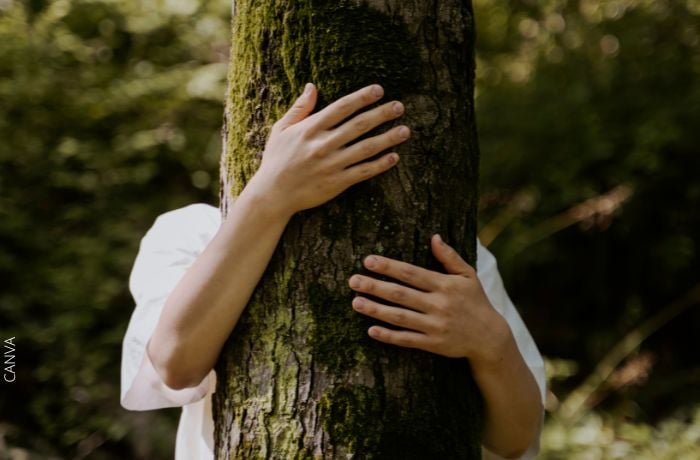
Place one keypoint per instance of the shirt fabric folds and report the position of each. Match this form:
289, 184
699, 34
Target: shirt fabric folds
166, 252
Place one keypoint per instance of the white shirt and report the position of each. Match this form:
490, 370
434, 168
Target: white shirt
167, 250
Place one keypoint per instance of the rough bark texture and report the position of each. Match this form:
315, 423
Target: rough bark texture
299, 377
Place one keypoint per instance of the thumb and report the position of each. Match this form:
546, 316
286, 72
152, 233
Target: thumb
453, 262
301, 108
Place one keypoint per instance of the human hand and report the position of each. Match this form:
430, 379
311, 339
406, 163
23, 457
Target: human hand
307, 161
448, 314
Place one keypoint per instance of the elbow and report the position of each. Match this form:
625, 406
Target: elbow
174, 371
176, 380
515, 454
516, 447
511, 454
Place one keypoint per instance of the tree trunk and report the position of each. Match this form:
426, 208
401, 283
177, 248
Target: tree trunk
299, 376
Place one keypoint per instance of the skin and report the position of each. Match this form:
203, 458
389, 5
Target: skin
308, 160
450, 315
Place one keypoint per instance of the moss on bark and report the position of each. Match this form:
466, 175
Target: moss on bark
348, 410
299, 377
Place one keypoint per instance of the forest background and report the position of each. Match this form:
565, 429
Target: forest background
110, 114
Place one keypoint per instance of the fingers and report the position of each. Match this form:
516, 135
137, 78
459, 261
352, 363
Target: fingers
300, 109
412, 275
397, 316
408, 339
364, 122
346, 106
452, 261
402, 295
367, 148
367, 169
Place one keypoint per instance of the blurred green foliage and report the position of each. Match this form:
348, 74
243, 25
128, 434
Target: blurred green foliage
588, 114
110, 113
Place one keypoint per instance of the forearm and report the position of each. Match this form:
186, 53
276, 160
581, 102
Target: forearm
513, 406
204, 307
307, 161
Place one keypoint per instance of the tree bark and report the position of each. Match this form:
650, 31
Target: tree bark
299, 377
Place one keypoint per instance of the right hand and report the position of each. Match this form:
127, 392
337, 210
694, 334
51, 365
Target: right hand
307, 161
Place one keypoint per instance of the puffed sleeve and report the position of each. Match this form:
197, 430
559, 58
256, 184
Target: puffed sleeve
487, 271
166, 252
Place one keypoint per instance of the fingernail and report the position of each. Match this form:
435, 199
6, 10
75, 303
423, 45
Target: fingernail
307, 89
359, 302
398, 108
371, 261
403, 132
440, 239
377, 90
354, 282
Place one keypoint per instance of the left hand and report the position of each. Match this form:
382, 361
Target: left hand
448, 314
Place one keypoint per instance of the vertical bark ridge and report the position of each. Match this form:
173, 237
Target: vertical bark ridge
299, 377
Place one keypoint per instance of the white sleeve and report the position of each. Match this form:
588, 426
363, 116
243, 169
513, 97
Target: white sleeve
166, 252
487, 271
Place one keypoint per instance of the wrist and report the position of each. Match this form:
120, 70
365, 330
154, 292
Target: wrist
262, 199
498, 344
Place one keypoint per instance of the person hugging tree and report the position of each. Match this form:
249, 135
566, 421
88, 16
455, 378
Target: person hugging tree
194, 275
